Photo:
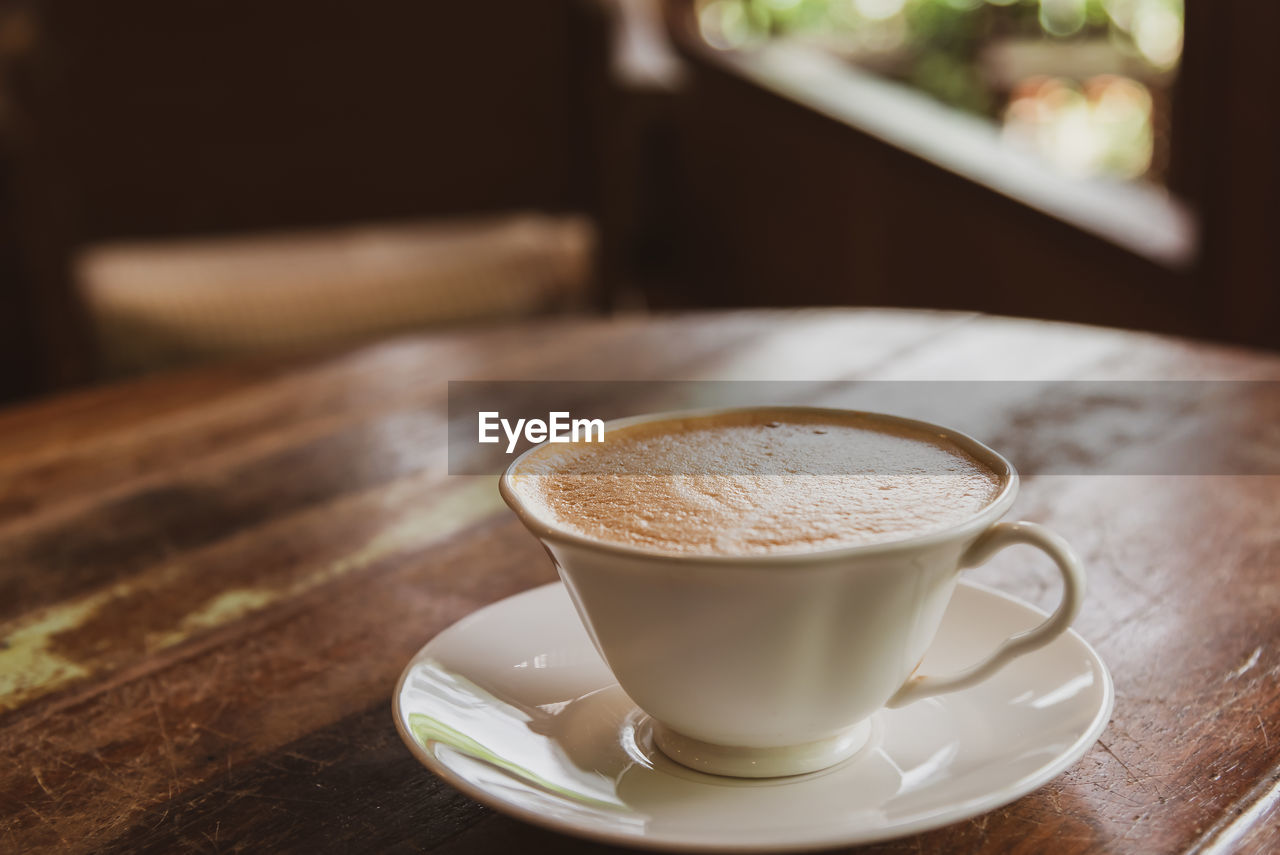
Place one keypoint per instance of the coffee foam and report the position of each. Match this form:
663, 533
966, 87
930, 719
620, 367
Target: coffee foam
756, 483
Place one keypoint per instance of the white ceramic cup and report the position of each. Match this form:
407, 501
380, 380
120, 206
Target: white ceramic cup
772, 665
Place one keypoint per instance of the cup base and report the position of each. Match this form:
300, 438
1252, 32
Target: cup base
739, 761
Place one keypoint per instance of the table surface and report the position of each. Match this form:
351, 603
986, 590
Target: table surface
210, 581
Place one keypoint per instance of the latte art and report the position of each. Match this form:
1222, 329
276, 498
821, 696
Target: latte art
755, 483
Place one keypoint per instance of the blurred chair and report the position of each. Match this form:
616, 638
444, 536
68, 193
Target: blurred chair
159, 304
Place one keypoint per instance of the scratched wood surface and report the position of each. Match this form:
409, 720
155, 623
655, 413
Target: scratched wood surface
209, 582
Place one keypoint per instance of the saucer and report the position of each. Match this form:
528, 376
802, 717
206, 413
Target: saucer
513, 706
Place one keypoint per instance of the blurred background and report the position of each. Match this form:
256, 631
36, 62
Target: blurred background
181, 183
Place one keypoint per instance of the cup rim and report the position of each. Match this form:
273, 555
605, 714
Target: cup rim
977, 523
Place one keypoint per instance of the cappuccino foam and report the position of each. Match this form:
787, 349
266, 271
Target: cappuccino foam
756, 483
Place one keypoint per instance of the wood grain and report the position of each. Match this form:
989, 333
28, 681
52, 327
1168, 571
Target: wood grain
209, 582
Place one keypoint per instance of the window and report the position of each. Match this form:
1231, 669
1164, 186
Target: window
1085, 84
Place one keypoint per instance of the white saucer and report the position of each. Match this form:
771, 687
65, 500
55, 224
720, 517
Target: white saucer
513, 706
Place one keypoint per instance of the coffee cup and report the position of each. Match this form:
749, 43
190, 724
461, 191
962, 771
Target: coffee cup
772, 662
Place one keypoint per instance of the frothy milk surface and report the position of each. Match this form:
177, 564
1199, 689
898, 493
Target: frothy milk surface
755, 483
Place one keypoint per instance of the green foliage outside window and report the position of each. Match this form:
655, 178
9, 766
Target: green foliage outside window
948, 49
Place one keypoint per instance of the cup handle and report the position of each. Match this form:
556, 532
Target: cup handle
989, 543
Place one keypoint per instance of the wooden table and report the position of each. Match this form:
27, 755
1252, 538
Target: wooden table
209, 582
